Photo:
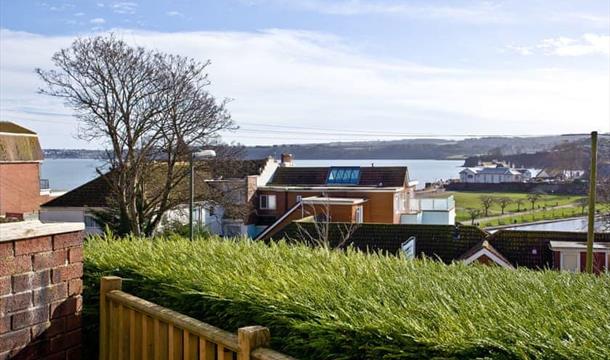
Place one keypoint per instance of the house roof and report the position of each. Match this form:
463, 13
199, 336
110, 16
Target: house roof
12, 128
95, 192
531, 249
379, 176
18, 144
91, 194
577, 245
445, 242
484, 248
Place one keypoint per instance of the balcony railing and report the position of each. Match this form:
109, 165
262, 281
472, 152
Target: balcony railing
432, 204
44, 184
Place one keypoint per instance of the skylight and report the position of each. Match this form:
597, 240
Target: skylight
343, 175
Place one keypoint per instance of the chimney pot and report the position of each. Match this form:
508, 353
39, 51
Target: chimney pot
286, 160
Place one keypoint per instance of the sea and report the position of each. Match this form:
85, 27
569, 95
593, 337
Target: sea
67, 174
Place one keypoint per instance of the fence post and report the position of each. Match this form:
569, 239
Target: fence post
250, 338
107, 283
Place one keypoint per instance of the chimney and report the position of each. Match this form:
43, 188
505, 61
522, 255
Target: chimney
286, 160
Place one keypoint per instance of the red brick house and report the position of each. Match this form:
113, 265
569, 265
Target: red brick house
20, 159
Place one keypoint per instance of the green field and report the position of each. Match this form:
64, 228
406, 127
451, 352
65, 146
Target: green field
331, 304
544, 208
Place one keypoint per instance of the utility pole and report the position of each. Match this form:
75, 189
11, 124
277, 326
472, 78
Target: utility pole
592, 185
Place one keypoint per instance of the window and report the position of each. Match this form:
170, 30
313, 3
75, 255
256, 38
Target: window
91, 223
408, 248
359, 215
267, 202
343, 175
299, 198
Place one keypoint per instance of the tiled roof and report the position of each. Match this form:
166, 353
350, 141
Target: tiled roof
9, 127
91, 194
95, 192
18, 144
529, 249
386, 176
532, 248
445, 242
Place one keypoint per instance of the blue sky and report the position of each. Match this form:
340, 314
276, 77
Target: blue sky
309, 67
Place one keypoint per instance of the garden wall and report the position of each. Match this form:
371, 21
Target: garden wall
556, 189
41, 268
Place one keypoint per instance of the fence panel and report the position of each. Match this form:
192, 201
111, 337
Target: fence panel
133, 328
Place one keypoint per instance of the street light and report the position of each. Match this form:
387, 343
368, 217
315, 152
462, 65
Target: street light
203, 154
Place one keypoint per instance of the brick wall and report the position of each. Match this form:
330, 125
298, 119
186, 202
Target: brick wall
40, 293
20, 187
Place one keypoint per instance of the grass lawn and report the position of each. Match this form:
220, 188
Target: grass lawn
465, 200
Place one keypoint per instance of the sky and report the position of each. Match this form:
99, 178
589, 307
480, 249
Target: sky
299, 71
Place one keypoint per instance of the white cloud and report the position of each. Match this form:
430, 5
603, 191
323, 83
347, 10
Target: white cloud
174, 13
588, 44
97, 21
317, 80
79, 14
124, 7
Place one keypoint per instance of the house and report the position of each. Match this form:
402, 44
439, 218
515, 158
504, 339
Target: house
374, 194
558, 174
494, 175
21, 189
469, 244
236, 180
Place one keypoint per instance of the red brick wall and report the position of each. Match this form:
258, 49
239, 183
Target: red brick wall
19, 187
40, 297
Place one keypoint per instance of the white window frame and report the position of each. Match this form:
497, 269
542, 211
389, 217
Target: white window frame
270, 202
359, 215
299, 198
408, 247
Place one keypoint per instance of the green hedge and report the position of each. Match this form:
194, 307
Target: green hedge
325, 304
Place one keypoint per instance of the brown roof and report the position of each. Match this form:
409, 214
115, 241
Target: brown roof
95, 192
18, 144
386, 176
9, 127
91, 194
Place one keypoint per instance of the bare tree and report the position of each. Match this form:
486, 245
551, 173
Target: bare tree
519, 202
321, 231
582, 202
503, 202
151, 109
486, 202
533, 198
474, 214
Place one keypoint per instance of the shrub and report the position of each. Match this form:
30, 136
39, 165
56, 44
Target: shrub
329, 304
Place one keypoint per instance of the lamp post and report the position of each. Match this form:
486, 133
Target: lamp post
204, 154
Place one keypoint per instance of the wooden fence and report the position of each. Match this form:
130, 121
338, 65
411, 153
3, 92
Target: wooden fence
133, 328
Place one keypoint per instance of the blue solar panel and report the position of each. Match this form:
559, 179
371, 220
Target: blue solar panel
343, 175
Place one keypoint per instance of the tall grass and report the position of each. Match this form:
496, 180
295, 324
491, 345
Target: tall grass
325, 304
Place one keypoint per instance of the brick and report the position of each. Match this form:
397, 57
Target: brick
30, 281
75, 254
15, 265
5, 324
33, 350
5, 355
62, 241
49, 329
5, 285
71, 305
15, 339
75, 287
15, 302
50, 259
30, 317
47, 295
6, 249
34, 245
72, 271
57, 356
73, 321
74, 353
65, 341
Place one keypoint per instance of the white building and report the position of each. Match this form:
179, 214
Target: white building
494, 175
